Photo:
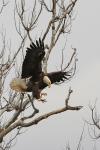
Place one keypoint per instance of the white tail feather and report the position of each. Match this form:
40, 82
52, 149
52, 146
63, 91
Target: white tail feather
19, 85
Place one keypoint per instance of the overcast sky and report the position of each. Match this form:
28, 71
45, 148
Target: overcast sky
55, 132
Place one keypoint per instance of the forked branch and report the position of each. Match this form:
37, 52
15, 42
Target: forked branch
24, 122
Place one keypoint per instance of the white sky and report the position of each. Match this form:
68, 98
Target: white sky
55, 132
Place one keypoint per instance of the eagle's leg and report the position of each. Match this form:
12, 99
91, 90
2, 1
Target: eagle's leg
37, 92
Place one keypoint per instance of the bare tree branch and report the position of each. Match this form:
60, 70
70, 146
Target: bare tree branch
26, 21
4, 4
21, 122
94, 127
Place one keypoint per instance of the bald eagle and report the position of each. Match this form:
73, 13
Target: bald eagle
33, 79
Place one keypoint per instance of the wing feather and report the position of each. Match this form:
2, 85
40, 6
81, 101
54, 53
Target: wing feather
56, 77
32, 62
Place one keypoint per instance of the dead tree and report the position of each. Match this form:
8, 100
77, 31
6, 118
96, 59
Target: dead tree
26, 21
94, 124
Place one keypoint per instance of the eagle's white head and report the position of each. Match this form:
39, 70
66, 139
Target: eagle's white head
47, 81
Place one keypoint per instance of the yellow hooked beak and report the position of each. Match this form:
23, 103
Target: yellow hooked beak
47, 81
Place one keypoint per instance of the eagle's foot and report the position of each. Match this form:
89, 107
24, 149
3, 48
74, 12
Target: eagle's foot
42, 100
41, 97
43, 94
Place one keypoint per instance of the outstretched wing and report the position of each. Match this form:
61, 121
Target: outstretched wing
56, 77
32, 62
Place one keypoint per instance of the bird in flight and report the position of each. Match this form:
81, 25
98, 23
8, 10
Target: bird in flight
33, 79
